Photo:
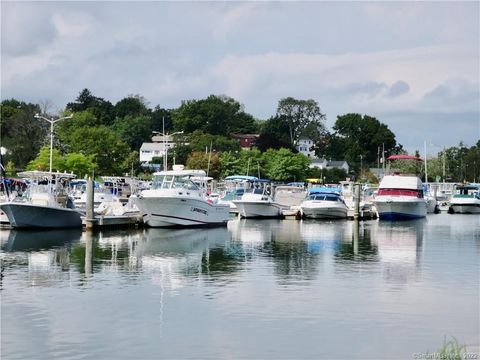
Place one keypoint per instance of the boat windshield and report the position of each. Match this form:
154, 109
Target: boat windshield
324, 197
173, 182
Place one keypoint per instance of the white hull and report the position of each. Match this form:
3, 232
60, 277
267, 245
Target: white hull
324, 210
465, 205
256, 209
164, 211
401, 207
24, 215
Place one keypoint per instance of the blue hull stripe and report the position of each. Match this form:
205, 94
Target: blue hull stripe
392, 216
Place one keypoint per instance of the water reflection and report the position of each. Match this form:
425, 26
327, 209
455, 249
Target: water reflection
400, 247
12, 240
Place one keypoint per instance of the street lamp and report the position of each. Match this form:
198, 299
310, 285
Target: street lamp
165, 148
52, 121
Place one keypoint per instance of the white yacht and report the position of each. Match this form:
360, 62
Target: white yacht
400, 197
258, 202
465, 200
46, 203
174, 199
324, 203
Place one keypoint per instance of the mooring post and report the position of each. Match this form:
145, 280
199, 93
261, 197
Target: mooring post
89, 215
356, 210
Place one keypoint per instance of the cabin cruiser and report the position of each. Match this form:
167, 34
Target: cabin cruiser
174, 199
324, 203
465, 200
400, 197
258, 202
45, 203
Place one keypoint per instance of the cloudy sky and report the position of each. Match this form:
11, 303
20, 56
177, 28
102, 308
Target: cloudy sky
413, 65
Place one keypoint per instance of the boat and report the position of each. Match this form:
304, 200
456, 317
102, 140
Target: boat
258, 202
400, 197
45, 204
324, 203
233, 189
465, 200
174, 199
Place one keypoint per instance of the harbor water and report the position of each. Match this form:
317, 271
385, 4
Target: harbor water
267, 289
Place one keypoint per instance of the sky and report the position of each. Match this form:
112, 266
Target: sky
415, 66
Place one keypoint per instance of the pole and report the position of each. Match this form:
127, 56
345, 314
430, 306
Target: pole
164, 145
426, 173
356, 210
90, 214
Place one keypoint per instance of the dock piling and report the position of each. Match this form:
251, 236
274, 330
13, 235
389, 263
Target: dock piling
90, 214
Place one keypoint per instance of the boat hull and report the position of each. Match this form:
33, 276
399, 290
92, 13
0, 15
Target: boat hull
322, 211
390, 208
181, 212
258, 209
24, 215
465, 208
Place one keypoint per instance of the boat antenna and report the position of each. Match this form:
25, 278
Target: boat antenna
209, 157
4, 176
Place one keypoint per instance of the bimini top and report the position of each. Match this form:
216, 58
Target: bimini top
467, 187
35, 174
199, 173
324, 190
403, 157
241, 177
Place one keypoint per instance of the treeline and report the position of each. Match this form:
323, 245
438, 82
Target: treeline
105, 138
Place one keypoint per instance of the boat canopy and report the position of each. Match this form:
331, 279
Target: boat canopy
296, 184
401, 182
241, 178
199, 173
467, 187
35, 174
324, 190
403, 157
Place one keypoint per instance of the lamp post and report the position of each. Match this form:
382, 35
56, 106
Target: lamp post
52, 121
165, 148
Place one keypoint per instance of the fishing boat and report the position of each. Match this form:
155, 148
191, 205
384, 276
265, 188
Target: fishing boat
465, 200
174, 199
324, 203
45, 203
400, 197
258, 202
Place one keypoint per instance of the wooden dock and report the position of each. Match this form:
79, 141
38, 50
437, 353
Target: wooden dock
112, 221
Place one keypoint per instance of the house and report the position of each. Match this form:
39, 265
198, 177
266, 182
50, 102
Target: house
304, 146
157, 148
247, 141
329, 164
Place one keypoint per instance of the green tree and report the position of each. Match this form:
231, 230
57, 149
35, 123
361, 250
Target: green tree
42, 161
134, 130
274, 134
284, 165
200, 141
21, 134
80, 164
208, 162
132, 106
299, 114
216, 115
103, 110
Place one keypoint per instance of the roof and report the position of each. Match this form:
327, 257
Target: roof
336, 163
198, 173
152, 146
241, 177
324, 190
35, 174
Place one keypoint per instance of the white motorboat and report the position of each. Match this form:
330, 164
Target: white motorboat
465, 200
324, 203
400, 197
258, 202
176, 200
46, 203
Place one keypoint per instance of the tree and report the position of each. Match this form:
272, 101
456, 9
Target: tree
21, 134
298, 115
134, 130
356, 136
208, 162
79, 164
216, 115
103, 110
200, 141
284, 165
42, 161
274, 134
132, 105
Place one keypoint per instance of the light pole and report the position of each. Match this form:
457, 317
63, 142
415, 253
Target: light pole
165, 148
52, 121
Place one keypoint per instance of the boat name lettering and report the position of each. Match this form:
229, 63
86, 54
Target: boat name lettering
204, 212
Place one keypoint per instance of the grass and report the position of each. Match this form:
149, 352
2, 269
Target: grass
452, 350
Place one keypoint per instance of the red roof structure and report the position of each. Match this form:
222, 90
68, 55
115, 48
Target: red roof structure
403, 157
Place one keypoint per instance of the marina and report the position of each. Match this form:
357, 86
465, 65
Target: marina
254, 289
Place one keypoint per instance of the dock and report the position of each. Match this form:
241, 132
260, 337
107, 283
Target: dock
113, 221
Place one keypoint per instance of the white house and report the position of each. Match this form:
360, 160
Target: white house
329, 164
304, 145
157, 148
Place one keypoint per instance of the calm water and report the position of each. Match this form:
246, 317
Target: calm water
257, 289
